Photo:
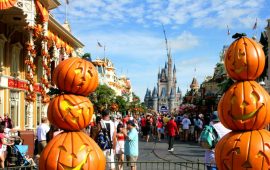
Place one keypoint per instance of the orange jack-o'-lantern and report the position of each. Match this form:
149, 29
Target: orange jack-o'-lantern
244, 150
244, 59
244, 106
72, 150
70, 112
77, 76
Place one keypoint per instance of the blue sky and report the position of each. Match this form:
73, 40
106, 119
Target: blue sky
132, 32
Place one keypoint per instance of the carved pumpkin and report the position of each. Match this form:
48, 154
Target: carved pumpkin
244, 106
72, 150
245, 59
77, 76
70, 112
244, 150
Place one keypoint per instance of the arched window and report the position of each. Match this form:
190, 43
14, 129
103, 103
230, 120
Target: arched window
3, 40
15, 59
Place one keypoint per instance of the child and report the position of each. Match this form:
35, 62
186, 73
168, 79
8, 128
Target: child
120, 143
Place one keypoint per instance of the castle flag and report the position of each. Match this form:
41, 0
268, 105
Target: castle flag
98, 43
255, 25
228, 30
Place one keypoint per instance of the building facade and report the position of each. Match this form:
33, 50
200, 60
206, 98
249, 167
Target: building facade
166, 96
32, 43
107, 75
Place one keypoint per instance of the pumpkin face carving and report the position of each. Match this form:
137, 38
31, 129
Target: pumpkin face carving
244, 150
244, 59
244, 107
75, 75
63, 152
70, 112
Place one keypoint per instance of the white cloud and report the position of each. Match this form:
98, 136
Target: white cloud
199, 13
184, 41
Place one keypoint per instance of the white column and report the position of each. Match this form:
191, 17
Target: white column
30, 92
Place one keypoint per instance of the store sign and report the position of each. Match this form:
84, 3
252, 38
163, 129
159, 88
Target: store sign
22, 85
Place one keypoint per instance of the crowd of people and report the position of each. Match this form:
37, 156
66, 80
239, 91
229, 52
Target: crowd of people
150, 127
118, 135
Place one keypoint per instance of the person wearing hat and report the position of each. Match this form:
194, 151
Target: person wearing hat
209, 155
131, 144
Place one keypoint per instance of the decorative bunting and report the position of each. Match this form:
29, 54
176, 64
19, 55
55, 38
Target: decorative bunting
43, 11
5, 4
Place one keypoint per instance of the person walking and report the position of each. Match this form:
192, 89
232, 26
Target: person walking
160, 129
108, 125
42, 130
198, 125
131, 144
172, 131
185, 126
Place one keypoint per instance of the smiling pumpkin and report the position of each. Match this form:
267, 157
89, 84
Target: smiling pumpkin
244, 150
244, 106
244, 59
70, 112
72, 151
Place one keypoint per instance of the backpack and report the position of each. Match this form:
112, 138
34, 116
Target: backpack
104, 139
208, 138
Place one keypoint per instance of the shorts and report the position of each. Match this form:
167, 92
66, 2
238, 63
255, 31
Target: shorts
160, 130
119, 150
109, 158
131, 160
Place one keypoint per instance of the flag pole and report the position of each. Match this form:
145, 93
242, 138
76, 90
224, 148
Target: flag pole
104, 51
255, 28
228, 33
66, 11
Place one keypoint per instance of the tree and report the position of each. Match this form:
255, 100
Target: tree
122, 104
264, 42
135, 104
103, 97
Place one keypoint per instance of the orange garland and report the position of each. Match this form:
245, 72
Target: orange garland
5, 4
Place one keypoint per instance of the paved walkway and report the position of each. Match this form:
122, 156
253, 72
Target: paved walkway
155, 156
158, 151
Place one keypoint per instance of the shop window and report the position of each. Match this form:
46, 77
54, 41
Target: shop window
3, 40
15, 108
15, 59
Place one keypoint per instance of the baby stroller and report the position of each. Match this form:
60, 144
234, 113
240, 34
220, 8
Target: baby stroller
20, 151
17, 155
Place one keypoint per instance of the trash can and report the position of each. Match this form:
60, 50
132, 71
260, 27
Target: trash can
28, 138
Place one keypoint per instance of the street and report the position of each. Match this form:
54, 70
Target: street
154, 155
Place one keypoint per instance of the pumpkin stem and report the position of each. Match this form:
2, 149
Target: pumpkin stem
54, 91
238, 35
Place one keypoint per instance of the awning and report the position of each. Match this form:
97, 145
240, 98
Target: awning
5, 4
42, 10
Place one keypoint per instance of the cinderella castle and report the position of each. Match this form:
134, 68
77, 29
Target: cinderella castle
166, 97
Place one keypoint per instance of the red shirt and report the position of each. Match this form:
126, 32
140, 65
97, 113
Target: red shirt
1, 137
143, 122
159, 123
120, 137
172, 128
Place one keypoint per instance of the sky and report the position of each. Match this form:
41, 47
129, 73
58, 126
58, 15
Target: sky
131, 31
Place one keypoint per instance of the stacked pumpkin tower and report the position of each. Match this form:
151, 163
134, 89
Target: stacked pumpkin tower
244, 108
72, 111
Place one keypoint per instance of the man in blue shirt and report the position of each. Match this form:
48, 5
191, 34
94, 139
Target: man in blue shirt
131, 144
